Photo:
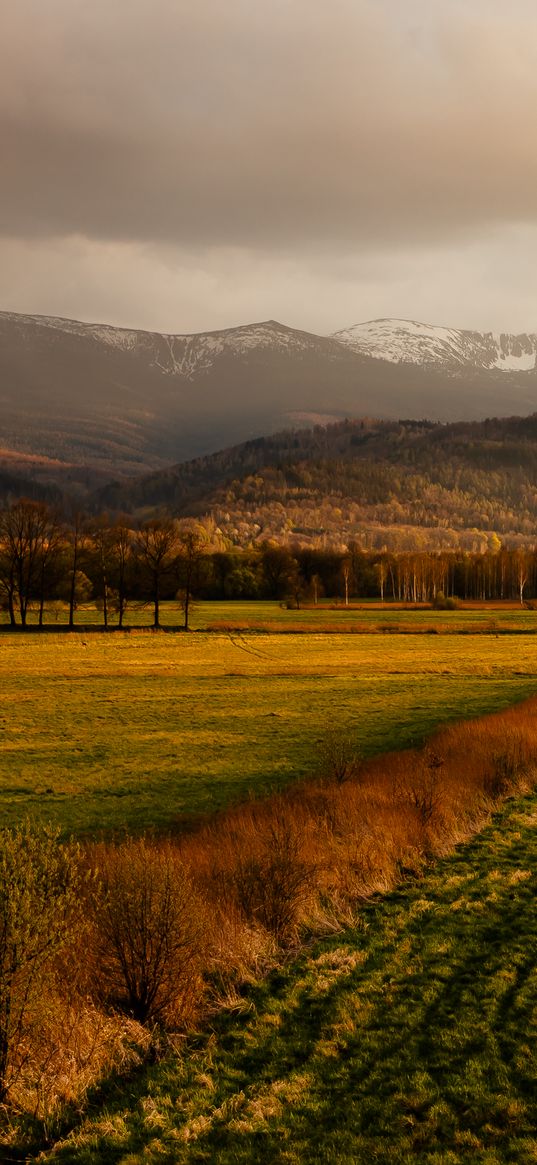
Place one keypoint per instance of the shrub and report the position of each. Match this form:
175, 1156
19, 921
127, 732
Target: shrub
39, 897
273, 880
150, 931
441, 603
421, 786
338, 760
508, 767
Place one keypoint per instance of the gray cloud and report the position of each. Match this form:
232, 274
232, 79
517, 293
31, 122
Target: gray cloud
223, 142
267, 124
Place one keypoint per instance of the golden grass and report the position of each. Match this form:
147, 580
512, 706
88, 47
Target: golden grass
104, 733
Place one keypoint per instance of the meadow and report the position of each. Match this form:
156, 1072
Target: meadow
150, 730
493, 616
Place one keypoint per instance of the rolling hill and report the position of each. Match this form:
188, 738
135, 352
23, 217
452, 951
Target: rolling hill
385, 482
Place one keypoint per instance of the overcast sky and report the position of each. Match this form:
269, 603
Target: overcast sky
191, 164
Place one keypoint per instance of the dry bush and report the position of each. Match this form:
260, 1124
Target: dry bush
510, 768
66, 1048
420, 785
150, 932
271, 882
341, 845
258, 868
339, 759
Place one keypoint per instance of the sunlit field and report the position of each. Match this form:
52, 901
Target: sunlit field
487, 617
103, 732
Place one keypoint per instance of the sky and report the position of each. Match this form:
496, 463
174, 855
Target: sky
185, 165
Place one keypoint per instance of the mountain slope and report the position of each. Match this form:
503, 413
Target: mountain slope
397, 483
121, 401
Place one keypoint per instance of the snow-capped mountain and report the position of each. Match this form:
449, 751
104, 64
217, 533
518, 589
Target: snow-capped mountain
80, 401
117, 400
396, 341
410, 342
179, 354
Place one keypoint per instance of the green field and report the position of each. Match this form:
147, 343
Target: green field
411, 1038
507, 616
138, 730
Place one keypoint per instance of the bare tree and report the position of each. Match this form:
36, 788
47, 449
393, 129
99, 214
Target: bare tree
522, 570
24, 530
101, 544
192, 543
156, 547
50, 558
121, 551
346, 567
77, 540
150, 926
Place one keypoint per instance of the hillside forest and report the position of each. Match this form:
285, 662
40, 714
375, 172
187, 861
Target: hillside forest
401, 486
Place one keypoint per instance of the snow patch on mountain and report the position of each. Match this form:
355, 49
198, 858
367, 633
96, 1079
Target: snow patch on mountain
411, 342
401, 340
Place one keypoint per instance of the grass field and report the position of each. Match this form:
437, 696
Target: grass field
138, 730
507, 616
411, 1038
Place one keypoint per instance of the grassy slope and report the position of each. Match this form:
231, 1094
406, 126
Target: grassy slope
410, 1038
101, 732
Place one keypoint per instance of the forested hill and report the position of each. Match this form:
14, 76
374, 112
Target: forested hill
397, 482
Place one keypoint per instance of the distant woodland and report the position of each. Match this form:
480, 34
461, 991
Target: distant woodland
46, 560
358, 509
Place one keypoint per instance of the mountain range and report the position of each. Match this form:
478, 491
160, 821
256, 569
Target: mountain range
83, 403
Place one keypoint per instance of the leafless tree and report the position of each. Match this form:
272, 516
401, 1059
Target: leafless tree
191, 544
156, 547
24, 532
150, 928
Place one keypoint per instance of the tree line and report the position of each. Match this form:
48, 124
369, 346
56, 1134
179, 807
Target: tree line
46, 559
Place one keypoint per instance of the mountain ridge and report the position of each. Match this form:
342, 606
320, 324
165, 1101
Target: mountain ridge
386, 338
83, 403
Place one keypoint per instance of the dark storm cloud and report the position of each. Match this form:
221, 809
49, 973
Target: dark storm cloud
294, 123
